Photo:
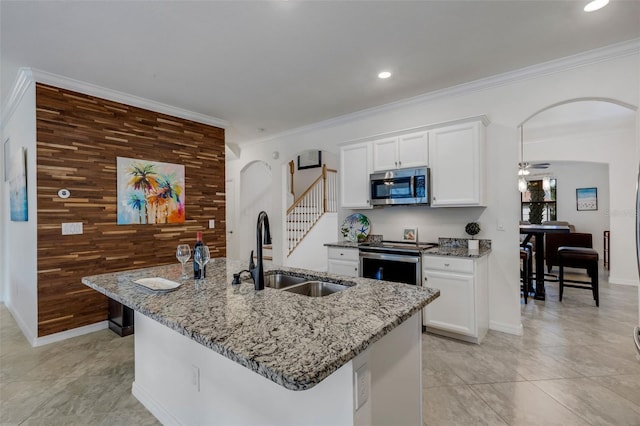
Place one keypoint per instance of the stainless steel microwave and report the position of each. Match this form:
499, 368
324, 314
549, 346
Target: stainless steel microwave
401, 186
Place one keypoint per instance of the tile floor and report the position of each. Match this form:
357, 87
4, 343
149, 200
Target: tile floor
575, 365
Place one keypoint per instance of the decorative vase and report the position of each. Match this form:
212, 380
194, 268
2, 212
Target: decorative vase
473, 244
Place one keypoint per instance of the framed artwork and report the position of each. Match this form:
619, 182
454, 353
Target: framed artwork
310, 159
18, 203
150, 192
5, 158
586, 199
410, 234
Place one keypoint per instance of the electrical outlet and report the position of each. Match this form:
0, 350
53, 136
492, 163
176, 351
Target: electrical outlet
500, 226
195, 377
72, 228
362, 385
212, 223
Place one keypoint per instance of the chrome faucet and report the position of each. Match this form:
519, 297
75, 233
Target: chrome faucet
257, 270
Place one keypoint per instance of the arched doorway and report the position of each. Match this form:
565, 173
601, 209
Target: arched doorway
255, 195
589, 131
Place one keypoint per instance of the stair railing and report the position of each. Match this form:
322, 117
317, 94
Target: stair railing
319, 198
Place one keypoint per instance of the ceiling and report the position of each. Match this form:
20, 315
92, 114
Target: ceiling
271, 66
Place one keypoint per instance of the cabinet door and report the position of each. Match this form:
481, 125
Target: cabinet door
454, 310
355, 161
342, 267
456, 155
385, 154
413, 150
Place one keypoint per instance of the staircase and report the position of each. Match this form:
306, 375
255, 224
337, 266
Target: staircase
320, 198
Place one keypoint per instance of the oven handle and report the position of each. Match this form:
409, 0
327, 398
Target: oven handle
387, 256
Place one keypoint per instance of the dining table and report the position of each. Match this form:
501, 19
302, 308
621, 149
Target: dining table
539, 232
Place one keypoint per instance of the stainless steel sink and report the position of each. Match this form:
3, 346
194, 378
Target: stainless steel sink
279, 280
316, 288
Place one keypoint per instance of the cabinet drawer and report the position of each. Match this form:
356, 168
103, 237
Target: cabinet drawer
340, 253
446, 263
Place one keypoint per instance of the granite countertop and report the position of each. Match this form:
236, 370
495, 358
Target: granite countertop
343, 244
293, 340
457, 252
447, 247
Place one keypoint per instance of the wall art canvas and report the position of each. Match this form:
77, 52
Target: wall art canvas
17, 174
150, 192
587, 199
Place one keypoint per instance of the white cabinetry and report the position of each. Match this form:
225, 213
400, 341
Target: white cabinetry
410, 150
457, 159
355, 167
343, 261
462, 310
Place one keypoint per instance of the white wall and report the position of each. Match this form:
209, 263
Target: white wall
507, 106
19, 241
303, 178
311, 252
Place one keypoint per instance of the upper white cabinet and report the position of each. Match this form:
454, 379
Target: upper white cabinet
410, 150
355, 167
457, 160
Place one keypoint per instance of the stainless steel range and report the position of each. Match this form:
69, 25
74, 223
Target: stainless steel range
393, 261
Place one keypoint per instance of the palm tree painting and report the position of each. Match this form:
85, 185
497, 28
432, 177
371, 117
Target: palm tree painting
150, 192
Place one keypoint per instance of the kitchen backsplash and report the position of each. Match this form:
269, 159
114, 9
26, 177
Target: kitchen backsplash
461, 243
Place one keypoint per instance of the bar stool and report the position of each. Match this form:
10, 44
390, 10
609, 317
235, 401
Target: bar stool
579, 257
525, 273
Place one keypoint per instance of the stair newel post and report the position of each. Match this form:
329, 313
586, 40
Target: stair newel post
292, 170
324, 188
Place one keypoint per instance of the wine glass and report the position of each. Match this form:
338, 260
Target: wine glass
201, 256
183, 253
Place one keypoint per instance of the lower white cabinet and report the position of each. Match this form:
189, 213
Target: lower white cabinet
462, 310
343, 261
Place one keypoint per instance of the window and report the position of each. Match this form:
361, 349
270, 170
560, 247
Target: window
538, 205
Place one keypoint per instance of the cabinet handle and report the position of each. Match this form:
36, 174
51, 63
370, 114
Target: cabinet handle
446, 264
341, 254
399, 163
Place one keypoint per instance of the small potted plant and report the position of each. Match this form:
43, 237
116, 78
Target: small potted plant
472, 228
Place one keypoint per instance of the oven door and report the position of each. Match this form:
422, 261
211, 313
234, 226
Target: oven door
400, 268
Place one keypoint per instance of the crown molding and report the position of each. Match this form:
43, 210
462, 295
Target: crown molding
614, 51
27, 76
18, 90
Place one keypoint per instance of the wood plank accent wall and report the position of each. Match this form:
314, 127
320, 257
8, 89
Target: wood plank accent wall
78, 139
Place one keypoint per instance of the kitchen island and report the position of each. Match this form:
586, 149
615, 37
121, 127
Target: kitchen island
217, 354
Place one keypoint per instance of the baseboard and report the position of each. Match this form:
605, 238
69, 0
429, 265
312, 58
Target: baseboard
31, 338
622, 281
506, 328
154, 407
64, 335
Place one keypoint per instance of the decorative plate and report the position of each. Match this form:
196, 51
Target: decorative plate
158, 284
355, 227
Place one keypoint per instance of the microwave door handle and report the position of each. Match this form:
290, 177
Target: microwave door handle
413, 186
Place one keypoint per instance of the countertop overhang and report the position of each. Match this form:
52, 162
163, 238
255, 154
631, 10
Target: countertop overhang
293, 340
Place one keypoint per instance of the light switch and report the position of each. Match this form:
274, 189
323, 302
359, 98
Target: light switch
72, 228
212, 223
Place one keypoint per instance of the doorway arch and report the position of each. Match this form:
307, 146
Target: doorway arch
255, 195
594, 130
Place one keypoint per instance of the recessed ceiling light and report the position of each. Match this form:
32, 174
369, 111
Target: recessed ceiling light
595, 5
384, 74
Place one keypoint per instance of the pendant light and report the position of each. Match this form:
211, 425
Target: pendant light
522, 171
